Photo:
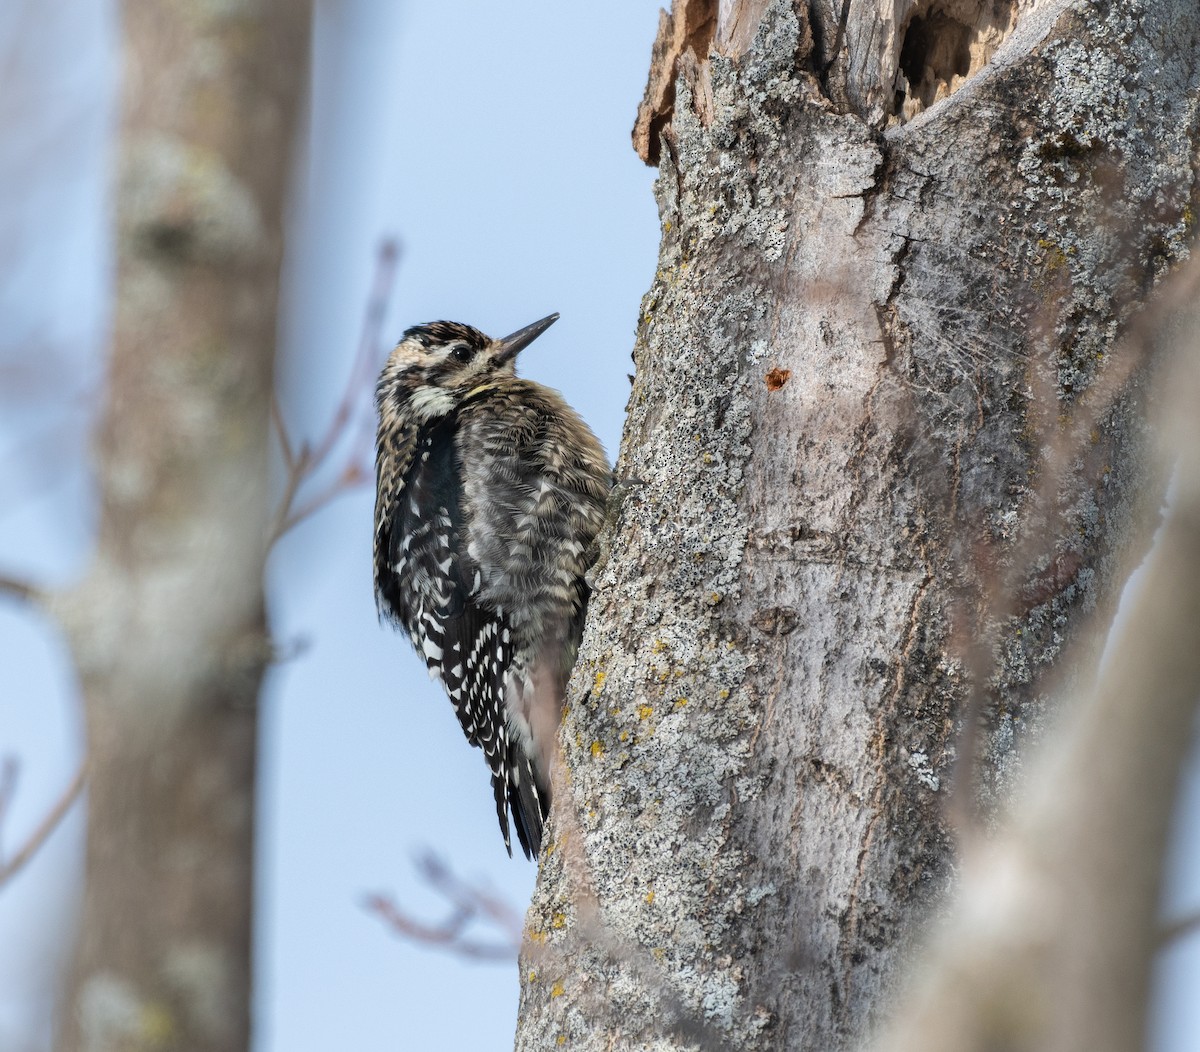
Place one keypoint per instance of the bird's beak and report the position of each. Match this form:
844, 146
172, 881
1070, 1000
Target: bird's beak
509, 347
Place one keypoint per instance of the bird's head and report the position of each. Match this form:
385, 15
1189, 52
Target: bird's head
435, 366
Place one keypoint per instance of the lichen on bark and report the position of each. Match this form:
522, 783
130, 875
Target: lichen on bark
861, 348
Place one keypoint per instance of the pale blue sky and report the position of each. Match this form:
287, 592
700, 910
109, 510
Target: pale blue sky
493, 140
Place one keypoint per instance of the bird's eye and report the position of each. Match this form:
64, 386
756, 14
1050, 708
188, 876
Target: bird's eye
463, 353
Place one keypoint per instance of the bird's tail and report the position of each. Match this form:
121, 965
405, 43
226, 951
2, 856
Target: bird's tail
527, 795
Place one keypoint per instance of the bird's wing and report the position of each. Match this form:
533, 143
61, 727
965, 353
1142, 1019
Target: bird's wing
535, 506
428, 580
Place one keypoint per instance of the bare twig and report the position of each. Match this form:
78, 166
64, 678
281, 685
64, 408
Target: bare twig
10, 867
366, 363
468, 904
495, 909
285, 443
1179, 928
8, 787
353, 476
303, 463
18, 589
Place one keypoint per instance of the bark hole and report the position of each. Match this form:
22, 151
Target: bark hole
943, 45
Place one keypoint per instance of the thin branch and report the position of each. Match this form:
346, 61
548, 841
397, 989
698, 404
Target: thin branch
468, 904
281, 432
10, 867
8, 788
352, 477
366, 362
497, 910
304, 463
1178, 929
18, 589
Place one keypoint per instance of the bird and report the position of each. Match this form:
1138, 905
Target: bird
490, 492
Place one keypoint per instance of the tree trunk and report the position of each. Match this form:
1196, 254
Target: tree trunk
900, 242
167, 628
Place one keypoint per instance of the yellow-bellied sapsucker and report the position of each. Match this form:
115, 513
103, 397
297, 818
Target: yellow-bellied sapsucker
490, 492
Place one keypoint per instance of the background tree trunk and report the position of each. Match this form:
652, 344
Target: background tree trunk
900, 243
167, 628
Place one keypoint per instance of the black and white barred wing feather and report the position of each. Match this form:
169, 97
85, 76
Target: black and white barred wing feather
428, 579
535, 500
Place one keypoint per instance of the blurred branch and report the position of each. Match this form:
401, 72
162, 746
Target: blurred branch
11, 866
1179, 929
8, 788
302, 464
1065, 435
1062, 901
18, 589
468, 904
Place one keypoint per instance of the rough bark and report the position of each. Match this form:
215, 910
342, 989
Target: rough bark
900, 244
167, 627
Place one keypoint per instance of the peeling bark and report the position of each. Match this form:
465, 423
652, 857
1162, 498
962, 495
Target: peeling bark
687, 30
167, 627
900, 244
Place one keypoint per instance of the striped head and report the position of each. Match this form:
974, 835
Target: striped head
435, 366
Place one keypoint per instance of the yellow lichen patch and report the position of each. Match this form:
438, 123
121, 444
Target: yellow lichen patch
561, 1039
708, 459
658, 646
157, 1024
597, 748
598, 682
556, 990
650, 897
714, 598
539, 937
645, 712
532, 975
1055, 258
680, 702
623, 736
559, 920
659, 953
722, 693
